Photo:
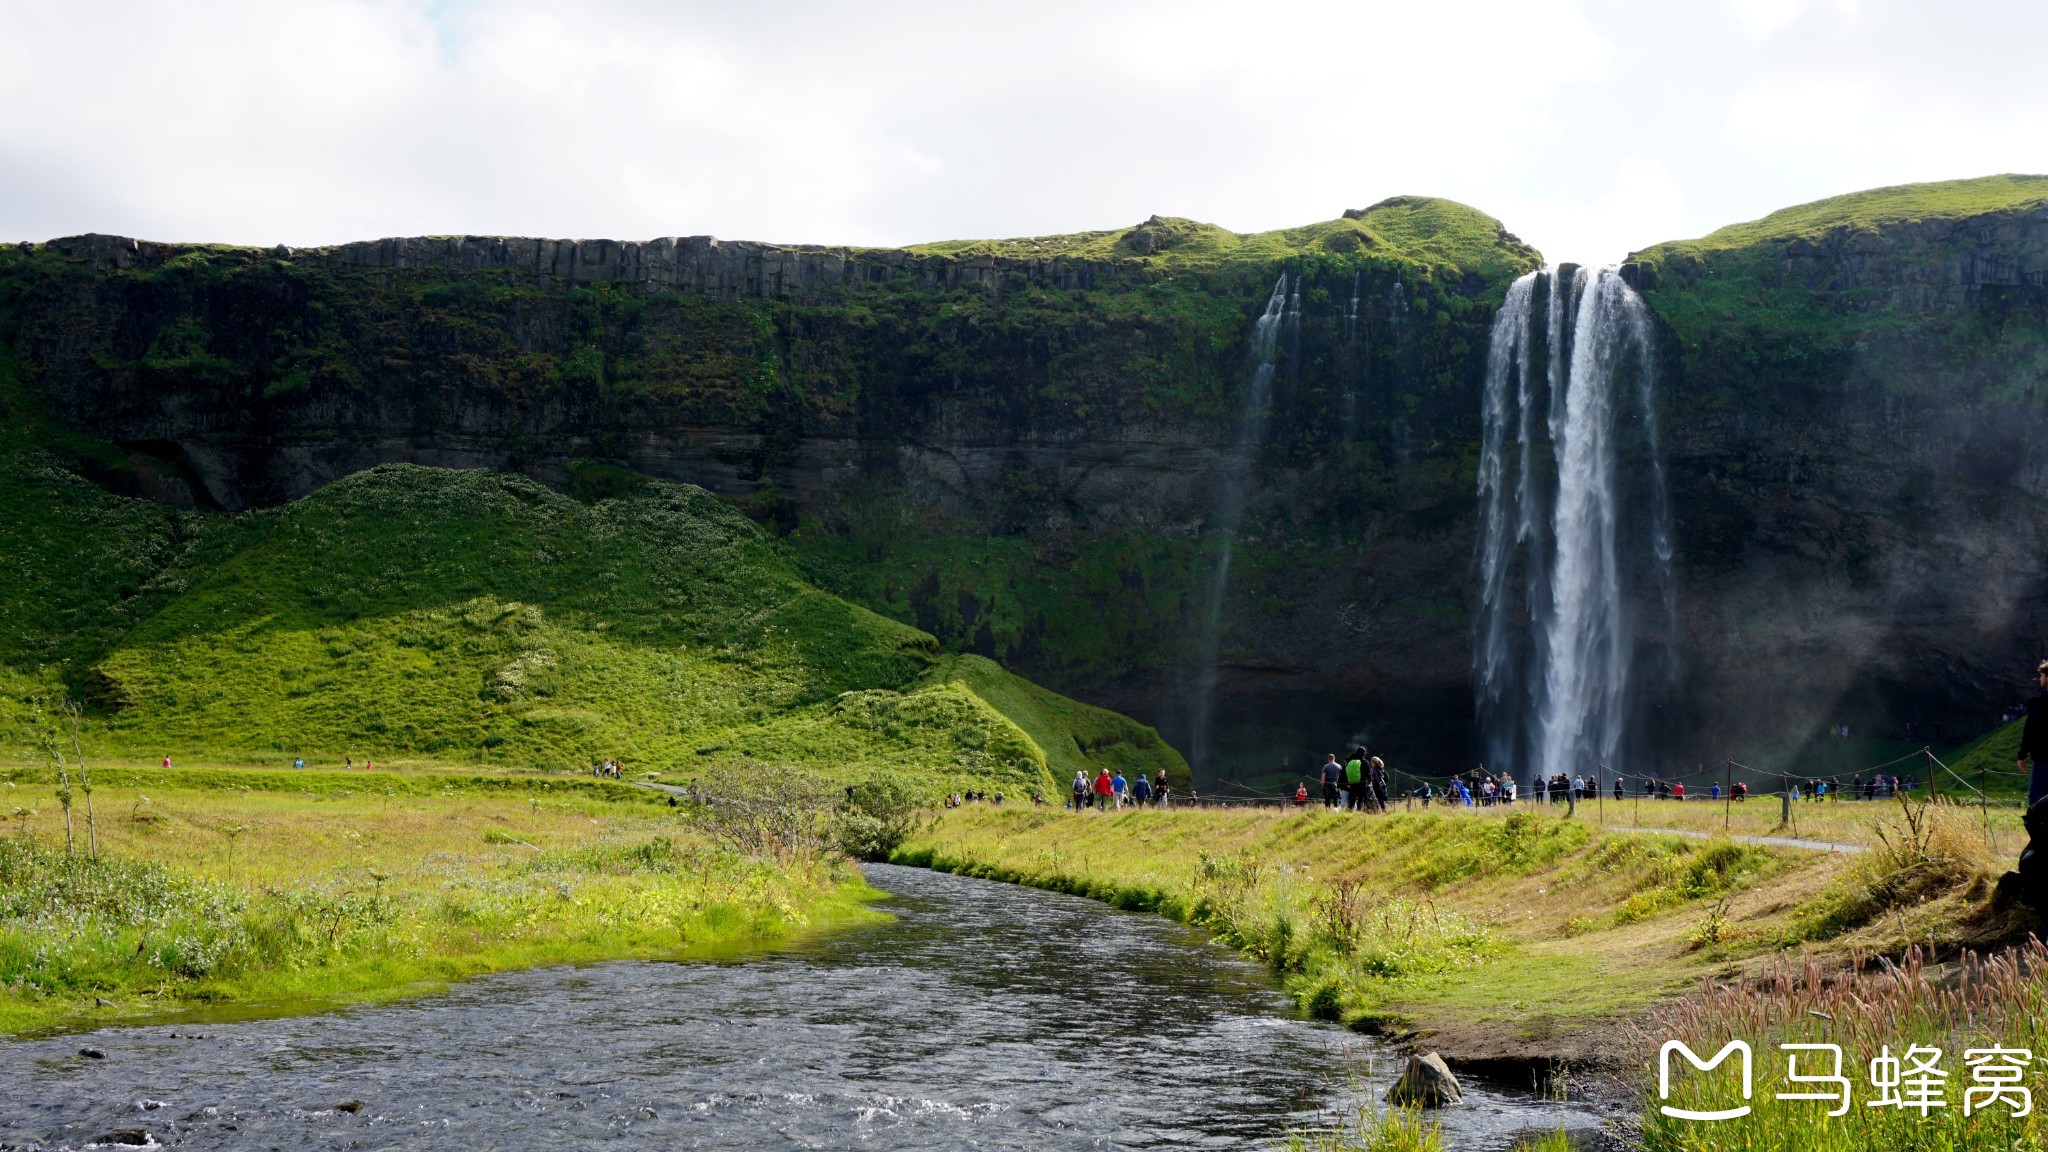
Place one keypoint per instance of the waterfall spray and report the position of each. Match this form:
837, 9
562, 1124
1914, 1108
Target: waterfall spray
1562, 546
1280, 321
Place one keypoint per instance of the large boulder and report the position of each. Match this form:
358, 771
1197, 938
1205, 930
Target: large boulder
1425, 1083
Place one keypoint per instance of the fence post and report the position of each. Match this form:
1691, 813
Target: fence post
1727, 792
1928, 752
1600, 795
1984, 802
1784, 799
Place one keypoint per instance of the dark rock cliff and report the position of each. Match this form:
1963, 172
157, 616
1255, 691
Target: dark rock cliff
1017, 446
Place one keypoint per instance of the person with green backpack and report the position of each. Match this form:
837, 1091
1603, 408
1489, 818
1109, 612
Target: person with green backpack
1354, 780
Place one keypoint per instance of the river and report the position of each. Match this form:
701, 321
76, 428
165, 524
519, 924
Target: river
983, 1016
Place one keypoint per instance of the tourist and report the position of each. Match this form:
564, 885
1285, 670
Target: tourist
2034, 740
1080, 791
1618, 790
1141, 790
1103, 788
1332, 773
1119, 787
1678, 791
1714, 793
1354, 779
1424, 792
1160, 788
1379, 784
1301, 794
167, 761
299, 762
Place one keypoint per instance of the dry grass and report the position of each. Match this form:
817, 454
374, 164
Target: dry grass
212, 896
1977, 1002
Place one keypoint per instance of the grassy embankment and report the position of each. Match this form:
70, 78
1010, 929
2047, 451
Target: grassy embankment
236, 891
1489, 933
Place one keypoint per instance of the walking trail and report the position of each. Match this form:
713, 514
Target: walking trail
1764, 841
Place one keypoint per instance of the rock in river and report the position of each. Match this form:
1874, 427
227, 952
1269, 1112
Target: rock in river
1425, 1083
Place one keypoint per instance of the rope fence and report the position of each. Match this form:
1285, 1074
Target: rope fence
1407, 788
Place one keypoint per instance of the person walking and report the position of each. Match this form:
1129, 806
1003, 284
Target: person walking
1119, 787
1080, 791
1141, 791
1301, 794
1102, 788
1332, 773
1380, 791
1354, 780
2034, 740
1160, 788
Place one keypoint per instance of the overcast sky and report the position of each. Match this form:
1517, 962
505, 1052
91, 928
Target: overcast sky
1590, 128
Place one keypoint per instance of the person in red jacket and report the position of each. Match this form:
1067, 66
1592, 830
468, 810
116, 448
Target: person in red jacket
1103, 789
1301, 795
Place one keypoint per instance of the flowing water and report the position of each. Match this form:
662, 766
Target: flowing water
984, 1016
1280, 322
1566, 548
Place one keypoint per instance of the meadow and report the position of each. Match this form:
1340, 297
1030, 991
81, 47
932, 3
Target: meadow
1533, 936
224, 891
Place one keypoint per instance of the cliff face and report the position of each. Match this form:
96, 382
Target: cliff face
1858, 392
1018, 445
1017, 451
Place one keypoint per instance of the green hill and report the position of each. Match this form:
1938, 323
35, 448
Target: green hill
476, 617
1869, 210
1418, 229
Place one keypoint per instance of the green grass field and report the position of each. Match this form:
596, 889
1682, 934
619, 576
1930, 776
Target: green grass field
231, 891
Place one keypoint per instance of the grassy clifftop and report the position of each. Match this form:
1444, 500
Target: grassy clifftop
1418, 229
1870, 210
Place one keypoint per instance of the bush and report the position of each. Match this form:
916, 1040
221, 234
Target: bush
879, 815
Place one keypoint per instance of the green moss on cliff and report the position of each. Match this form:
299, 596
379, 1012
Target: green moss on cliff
1866, 291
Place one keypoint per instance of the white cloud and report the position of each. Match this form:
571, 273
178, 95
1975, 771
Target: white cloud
895, 121
1642, 205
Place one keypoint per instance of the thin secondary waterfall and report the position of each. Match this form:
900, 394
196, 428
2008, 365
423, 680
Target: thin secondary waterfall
1564, 543
1281, 320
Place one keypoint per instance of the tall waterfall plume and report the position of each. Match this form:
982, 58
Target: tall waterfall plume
1280, 322
1575, 536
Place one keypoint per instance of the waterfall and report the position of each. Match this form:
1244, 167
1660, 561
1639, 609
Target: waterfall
1564, 546
1280, 321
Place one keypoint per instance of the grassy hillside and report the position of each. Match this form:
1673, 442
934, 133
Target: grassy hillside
1869, 210
1417, 229
473, 617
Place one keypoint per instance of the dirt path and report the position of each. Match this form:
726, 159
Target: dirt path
1764, 841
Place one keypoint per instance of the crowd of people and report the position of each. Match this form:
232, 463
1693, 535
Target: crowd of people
1113, 790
